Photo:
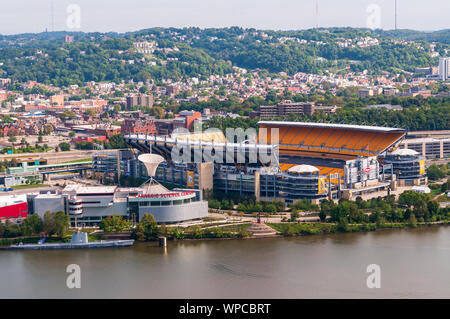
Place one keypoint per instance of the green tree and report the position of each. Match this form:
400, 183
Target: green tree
412, 221
56, 223
343, 225
294, 215
49, 223
114, 223
435, 173
32, 225
322, 215
64, 146
62, 223
147, 229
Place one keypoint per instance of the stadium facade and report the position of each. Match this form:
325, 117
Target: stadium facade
312, 161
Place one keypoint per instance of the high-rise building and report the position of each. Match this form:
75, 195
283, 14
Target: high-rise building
141, 99
444, 69
285, 108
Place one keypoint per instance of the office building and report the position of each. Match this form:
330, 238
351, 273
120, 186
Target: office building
139, 99
444, 69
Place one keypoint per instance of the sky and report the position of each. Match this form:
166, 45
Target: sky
21, 16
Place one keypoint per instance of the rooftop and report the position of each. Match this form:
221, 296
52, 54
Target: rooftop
299, 169
12, 200
380, 129
404, 152
81, 189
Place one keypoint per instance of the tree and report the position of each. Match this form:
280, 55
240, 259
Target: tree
147, 229
117, 108
72, 134
91, 112
213, 203
143, 89
294, 215
32, 225
445, 186
11, 230
412, 221
49, 223
114, 223
157, 112
56, 223
435, 173
68, 115
322, 215
62, 223
64, 146
116, 142
343, 225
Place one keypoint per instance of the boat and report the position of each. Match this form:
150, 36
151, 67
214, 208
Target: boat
79, 241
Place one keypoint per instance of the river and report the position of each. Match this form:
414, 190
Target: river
414, 263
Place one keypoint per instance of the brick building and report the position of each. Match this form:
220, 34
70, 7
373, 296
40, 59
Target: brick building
138, 126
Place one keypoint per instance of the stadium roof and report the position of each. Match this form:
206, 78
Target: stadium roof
303, 169
404, 152
329, 140
333, 126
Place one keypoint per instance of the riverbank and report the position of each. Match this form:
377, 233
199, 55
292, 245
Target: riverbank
304, 229
53, 239
282, 230
299, 229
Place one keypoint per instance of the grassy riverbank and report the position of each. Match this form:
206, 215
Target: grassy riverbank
302, 229
240, 231
53, 239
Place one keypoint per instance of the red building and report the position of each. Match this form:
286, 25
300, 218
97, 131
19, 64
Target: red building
89, 139
138, 126
13, 208
190, 117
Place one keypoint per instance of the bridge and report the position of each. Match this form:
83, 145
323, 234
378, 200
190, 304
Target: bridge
49, 169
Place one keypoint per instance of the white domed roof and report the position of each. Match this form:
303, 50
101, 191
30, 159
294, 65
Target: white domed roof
404, 152
303, 169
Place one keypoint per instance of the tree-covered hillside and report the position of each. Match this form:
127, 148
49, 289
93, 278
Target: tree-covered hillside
194, 52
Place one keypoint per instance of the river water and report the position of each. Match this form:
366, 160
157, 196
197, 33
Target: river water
414, 263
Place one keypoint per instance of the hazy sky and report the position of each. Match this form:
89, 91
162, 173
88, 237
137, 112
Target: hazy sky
21, 16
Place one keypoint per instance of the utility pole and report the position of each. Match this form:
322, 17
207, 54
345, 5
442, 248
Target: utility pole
396, 15
317, 14
53, 17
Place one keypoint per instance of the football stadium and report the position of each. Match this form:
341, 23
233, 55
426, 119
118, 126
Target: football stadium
313, 161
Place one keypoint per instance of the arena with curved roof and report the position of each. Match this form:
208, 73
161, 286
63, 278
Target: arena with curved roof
339, 141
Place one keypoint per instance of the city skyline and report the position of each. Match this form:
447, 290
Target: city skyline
38, 16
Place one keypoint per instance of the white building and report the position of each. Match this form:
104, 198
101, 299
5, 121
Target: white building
444, 69
90, 204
